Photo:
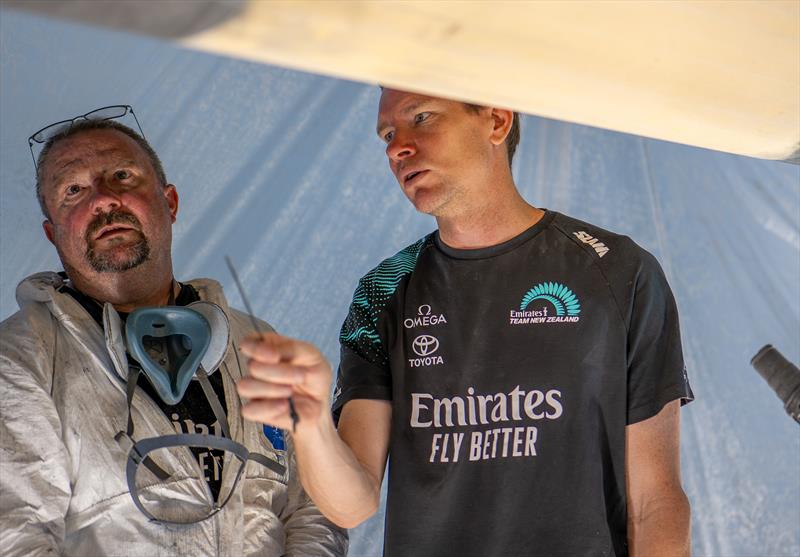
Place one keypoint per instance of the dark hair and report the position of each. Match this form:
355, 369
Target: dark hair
86, 125
512, 139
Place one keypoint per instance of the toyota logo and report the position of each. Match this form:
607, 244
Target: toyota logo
425, 345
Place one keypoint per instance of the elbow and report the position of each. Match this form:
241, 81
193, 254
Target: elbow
353, 517
661, 527
676, 507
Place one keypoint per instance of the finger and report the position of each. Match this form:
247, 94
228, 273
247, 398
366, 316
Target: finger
272, 412
254, 388
285, 374
274, 347
257, 336
260, 346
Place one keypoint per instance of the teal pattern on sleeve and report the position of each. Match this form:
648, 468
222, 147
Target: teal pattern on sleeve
360, 329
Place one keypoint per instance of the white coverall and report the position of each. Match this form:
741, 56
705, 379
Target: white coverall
62, 475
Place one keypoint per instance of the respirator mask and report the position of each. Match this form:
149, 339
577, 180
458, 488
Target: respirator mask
173, 346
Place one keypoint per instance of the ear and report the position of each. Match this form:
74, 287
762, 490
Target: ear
171, 195
48, 230
502, 120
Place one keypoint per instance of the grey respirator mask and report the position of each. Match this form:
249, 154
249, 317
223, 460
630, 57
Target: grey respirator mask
173, 346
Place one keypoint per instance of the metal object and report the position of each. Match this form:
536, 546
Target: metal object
292, 410
782, 375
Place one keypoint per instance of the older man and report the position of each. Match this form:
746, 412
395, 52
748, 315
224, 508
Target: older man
110, 451
522, 370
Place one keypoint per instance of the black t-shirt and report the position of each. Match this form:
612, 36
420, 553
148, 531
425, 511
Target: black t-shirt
193, 413
513, 371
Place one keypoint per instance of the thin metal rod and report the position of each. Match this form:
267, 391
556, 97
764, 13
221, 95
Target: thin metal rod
292, 411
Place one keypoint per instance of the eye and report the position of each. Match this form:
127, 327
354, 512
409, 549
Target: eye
122, 175
421, 117
72, 190
388, 136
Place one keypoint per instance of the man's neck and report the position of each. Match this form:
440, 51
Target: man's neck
126, 293
500, 217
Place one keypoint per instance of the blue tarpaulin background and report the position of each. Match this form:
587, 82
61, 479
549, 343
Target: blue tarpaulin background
282, 171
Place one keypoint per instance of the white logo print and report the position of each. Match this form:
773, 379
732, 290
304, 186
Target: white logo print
425, 346
424, 318
471, 426
598, 246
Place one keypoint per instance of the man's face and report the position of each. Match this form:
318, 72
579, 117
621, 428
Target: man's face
108, 211
437, 148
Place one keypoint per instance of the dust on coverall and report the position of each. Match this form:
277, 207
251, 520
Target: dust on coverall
62, 475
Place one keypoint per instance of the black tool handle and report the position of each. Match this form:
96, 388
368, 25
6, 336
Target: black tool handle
782, 375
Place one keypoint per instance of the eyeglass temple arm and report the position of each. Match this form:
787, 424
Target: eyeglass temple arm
35, 168
137, 122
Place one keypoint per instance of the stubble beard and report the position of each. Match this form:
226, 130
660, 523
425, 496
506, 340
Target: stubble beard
116, 259
437, 201
112, 261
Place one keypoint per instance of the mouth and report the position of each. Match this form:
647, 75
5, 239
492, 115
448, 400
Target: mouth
112, 230
413, 176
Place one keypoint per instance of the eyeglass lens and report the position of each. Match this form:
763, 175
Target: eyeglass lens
105, 113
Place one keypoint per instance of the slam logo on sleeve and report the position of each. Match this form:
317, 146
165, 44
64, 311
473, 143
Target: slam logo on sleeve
547, 302
598, 246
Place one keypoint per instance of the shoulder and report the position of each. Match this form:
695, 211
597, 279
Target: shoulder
243, 325
21, 325
372, 297
629, 271
615, 253
210, 290
35, 295
26, 345
401, 263
382, 281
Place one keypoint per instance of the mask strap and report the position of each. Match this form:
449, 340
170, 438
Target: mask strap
133, 379
263, 460
213, 400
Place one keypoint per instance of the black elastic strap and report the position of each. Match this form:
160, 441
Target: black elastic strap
213, 400
133, 378
276, 467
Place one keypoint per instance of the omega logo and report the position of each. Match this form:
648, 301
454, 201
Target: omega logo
424, 318
425, 345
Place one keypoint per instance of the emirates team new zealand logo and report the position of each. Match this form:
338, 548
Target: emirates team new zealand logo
547, 302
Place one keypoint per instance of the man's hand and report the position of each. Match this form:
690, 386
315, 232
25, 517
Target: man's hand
341, 474
281, 367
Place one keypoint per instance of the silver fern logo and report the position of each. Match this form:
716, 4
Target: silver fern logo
547, 302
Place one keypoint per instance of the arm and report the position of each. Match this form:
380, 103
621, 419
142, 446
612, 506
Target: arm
307, 531
342, 472
658, 510
35, 486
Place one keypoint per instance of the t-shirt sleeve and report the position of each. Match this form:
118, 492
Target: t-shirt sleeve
656, 371
364, 365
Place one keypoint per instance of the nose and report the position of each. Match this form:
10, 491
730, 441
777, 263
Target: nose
400, 147
104, 197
